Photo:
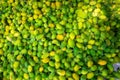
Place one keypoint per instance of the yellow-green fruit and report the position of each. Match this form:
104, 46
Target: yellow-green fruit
90, 63
19, 57
72, 35
29, 68
79, 45
26, 76
1, 52
16, 64
16, 34
89, 46
76, 68
45, 60
90, 75
91, 42
41, 69
60, 37
62, 78
75, 76
35, 58
84, 72
58, 4
61, 72
52, 53
57, 65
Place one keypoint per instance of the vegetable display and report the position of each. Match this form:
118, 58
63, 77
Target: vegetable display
59, 39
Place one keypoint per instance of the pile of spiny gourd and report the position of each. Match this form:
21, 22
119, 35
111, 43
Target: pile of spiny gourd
59, 39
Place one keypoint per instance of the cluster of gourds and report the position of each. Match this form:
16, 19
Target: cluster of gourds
59, 39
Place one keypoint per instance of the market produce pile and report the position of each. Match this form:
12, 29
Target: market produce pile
59, 39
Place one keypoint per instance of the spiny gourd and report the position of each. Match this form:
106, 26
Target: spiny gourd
59, 39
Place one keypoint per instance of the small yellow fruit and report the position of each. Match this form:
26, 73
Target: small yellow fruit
6, 33
41, 69
58, 4
76, 68
16, 64
92, 2
23, 21
31, 28
61, 72
35, 16
35, 58
51, 25
60, 37
26, 76
84, 72
23, 18
91, 42
90, 63
34, 6
103, 17
29, 52
102, 62
40, 16
45, 60
57, 65
23, 14
16, 34
36, 11
72, 35
53, 5
52, 53
47, 3
75, 76
90, 75
19, 57
30, 18
29, 68
89, 46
